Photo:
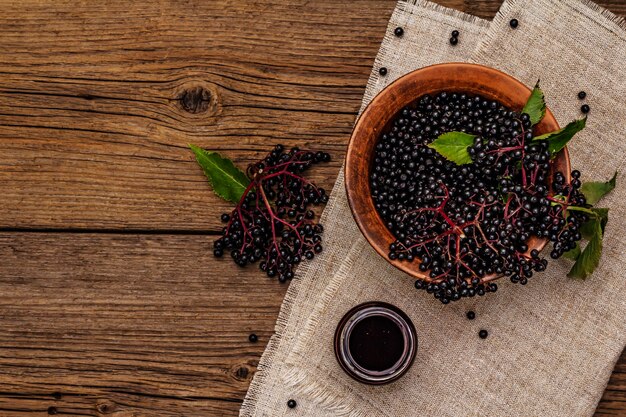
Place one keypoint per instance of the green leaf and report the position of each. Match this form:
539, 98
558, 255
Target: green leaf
572, 254
536, 105
590, 256
453, 146
228, 181
595, 190
559, 138
587, 229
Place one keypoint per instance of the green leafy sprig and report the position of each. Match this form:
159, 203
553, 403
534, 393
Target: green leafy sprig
559, 138
227, 181
588, 259
535, 107
594, 191
453, 146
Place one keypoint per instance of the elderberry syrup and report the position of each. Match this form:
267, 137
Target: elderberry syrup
375, 343
467, 224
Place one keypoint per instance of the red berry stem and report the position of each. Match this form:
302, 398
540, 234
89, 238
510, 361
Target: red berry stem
272, 221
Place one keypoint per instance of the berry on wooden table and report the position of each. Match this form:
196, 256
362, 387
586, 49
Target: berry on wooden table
273, 224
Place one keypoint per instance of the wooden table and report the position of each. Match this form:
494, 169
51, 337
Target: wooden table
112, 303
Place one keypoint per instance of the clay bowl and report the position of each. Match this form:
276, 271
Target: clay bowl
453, 77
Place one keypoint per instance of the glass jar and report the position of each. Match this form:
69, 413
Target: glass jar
375, 343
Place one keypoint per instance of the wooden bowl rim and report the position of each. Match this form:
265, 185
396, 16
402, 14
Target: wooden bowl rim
360, 201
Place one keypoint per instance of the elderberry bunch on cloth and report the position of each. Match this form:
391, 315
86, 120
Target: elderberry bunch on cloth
272, 222
465, 186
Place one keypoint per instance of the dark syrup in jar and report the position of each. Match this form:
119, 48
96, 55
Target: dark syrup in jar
376, 343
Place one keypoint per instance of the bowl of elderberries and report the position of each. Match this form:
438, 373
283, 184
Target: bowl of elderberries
458, 175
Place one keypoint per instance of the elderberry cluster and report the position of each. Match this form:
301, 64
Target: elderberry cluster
468, 224
273, 222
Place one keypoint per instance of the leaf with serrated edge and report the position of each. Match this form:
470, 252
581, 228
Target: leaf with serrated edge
228, 181
589, 258
595, 190
572, 254
453, 146
559, 138
535, 107
587, 229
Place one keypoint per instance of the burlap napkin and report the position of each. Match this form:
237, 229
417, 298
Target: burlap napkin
423, 22
552, 344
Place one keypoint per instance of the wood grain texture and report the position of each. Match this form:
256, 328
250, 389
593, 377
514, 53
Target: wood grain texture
150, 324
95, 110
98, 101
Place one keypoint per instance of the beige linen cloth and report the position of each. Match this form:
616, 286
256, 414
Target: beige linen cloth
552, 344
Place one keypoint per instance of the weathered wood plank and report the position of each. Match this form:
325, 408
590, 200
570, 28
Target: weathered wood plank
147, 324
96, 110
613, 402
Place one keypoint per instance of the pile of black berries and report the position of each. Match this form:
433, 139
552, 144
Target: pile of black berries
469, 224
273, 222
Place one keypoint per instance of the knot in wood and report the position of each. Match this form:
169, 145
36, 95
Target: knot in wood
105, 407
241, 373
195, 99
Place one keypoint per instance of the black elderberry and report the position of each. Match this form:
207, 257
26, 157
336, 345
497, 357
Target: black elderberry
582, 95
471, 315
455, 33
514, 23
273, 222
464, 223
454, 41
253, 338
483, 334
585, 108
225, 218
398, 32
382, 71
292, 403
